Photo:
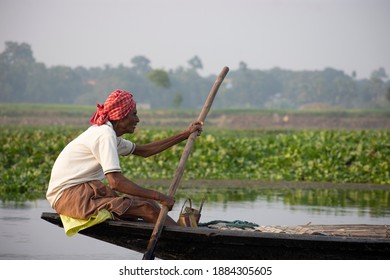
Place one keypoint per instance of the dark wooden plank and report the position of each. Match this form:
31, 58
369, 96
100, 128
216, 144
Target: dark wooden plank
203, 243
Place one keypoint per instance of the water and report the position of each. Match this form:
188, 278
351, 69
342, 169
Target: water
24, 235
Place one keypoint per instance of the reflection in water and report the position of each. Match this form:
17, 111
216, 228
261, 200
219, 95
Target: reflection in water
375, 202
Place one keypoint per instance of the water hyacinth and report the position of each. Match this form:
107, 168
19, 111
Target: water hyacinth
27, 155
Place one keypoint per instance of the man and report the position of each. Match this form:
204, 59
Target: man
76, 189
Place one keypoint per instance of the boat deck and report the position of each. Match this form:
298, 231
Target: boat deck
347, 230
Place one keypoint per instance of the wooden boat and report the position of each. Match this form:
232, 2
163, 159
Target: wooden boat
303, 242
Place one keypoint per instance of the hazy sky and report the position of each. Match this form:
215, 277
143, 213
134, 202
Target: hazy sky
349, 35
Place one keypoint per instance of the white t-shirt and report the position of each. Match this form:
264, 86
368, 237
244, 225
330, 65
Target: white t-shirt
90, 156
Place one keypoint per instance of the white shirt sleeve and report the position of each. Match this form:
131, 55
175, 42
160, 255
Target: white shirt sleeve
105, 152
125, 147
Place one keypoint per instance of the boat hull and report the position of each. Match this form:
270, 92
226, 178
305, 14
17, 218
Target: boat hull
214, 244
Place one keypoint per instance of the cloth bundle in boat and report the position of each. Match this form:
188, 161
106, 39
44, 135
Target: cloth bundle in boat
189, 216
73, 225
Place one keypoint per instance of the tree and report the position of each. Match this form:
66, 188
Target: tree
65, 84
388, 94
22, 79
242, 66
141, 64
16, 63
380, 74
160, 78
195, 63
177, 100
376, 86
16, 54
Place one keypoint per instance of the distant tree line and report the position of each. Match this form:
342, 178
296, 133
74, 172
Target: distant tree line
23, 79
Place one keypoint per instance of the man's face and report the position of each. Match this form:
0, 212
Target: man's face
128, 123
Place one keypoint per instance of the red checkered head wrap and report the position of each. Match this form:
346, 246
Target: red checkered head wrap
118, 104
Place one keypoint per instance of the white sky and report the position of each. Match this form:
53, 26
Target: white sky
348, 35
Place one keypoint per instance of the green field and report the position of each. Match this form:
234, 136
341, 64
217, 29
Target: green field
27, 154
282, 154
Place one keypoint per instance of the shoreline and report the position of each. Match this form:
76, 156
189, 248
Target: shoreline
243, 183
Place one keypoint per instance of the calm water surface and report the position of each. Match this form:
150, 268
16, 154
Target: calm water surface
24, 235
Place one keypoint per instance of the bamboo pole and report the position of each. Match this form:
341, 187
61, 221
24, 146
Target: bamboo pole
149, 254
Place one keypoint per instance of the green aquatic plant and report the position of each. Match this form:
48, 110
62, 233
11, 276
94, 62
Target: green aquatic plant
27, 155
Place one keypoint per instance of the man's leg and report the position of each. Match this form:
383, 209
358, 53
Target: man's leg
146, 209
